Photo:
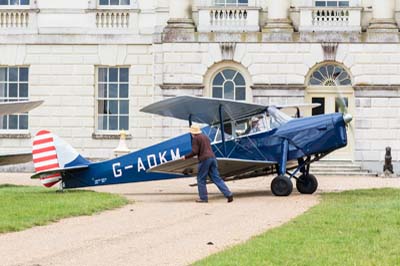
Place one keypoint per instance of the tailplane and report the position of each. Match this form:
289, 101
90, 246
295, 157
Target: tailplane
52, 153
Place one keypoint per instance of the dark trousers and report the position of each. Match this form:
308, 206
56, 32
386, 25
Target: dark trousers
209, 167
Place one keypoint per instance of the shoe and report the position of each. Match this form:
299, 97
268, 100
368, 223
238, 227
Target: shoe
230, 198
201, 201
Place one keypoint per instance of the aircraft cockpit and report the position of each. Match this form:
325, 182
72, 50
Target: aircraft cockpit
250, 125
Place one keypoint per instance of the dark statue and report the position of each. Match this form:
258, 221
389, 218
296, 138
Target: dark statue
388, 161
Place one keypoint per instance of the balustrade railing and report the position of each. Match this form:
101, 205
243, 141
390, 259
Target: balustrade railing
228, 19
14, 19
112, 19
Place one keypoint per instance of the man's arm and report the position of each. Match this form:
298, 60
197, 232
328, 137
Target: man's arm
195, 149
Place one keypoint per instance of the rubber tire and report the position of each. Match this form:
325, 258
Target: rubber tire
281, 186
307, 184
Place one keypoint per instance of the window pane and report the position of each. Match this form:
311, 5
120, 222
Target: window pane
125, 2
114, 2
3, 121
243, 2
240, 93
123, 75
332, 3
13, 121
13, 2
23, 74
102, 107
343, 3
113, 107
113, 90
23, 122
103, 2
113, 75
124, 107
320, 3
13, 74
123, 90
228, 90
3, 74
3, 2
102, 90
218, 80
239, 80
23, 90
3, 90
113, 120
320, 110
13, 90
217, 92
229, 73
123, 123
102, 122
24, 2
102, 74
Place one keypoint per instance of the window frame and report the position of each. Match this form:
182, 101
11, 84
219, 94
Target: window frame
132, 5
13, 131
108, 131
331, 1
223, 3
31, 5
222, 87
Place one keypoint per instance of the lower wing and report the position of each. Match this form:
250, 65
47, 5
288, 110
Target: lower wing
227, 167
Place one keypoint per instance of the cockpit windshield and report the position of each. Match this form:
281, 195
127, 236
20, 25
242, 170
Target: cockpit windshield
278, 118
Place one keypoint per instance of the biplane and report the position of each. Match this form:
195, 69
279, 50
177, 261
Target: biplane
281, 145
7, 108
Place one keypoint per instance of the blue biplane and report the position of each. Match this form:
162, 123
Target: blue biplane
248, 139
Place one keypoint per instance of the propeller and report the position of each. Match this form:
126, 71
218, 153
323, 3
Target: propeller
343, 108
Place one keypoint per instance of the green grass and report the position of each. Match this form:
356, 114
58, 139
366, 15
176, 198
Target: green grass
350, 228
23, 207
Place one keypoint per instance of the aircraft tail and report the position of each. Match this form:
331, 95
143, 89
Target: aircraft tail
52, 153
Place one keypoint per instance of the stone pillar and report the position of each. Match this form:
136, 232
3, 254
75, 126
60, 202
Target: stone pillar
180, 15
383, 16
278, 17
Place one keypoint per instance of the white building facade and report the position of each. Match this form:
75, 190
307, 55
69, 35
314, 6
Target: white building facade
97, 63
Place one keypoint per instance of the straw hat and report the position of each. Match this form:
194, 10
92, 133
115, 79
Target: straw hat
254, 119
195, 129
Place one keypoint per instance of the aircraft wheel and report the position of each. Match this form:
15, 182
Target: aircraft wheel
281, 186
307, 184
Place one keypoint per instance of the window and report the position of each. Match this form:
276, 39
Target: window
14, 2
113, 98
113, 2
231, 2
14, 88
330, 75
332, 3
229, 84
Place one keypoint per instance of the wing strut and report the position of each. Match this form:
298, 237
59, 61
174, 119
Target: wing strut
221, 121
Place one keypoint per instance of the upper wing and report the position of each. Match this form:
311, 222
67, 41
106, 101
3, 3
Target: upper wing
227, 167
202, 109
7, 108
15, 158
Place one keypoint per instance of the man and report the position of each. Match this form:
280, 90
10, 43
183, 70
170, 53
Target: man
253, 125
207, 165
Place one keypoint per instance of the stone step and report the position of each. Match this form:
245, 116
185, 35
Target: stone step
337, 169
365, 173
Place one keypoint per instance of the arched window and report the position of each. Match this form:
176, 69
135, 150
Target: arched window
330, 75
229, 84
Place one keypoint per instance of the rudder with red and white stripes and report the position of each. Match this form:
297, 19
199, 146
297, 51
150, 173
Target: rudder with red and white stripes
45, 157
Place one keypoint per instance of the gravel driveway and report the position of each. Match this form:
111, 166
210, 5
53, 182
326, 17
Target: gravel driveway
164, 226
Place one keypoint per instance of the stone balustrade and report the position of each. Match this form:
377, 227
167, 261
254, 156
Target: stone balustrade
14, 19
330, 19
228, 19
110, 19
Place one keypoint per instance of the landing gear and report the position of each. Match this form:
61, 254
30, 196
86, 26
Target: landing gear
307, 184
281, 186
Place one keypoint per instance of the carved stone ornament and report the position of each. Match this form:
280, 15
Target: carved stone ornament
227, 50
330, 49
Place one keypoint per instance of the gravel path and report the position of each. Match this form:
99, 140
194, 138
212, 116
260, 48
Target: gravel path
164, 226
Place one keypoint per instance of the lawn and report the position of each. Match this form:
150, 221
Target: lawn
23, 207
349, 228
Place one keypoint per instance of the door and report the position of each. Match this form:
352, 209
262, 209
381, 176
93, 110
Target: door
328, 97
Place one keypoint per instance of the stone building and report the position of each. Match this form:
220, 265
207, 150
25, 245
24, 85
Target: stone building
97, 62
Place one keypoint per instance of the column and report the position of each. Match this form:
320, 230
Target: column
383, 16
278, 16
180, 14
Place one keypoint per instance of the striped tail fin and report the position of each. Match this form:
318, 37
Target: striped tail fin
49, 153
